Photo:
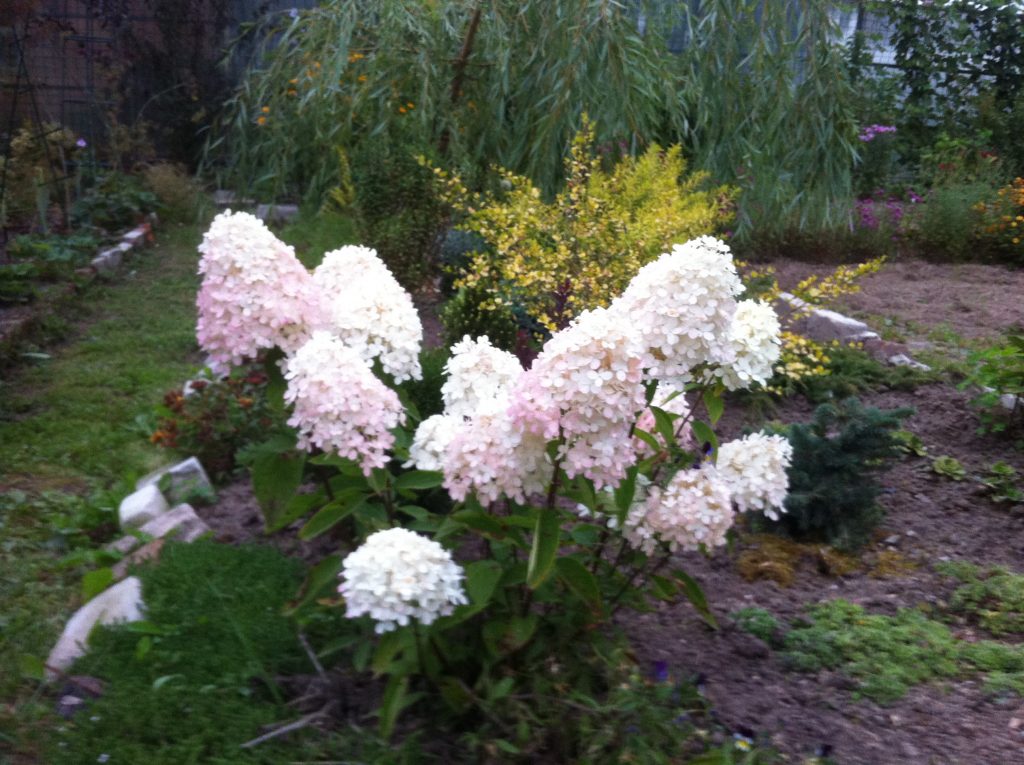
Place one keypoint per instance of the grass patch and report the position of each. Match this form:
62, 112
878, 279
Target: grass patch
69, 418
313, 234
197, 679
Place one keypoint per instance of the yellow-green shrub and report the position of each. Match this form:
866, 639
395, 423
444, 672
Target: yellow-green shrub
560, 258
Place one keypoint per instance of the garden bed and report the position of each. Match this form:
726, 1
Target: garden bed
930, 519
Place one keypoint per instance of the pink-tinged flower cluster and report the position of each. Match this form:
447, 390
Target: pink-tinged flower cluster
681, 307
587, 387
477, 372
255, 293
672, 400
339, 405
755, 470
694, 510
396, 576
431, 440
756, 345
370, 311
491, 456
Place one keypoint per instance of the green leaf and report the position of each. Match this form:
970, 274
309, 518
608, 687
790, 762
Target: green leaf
396, 698
648, 439
504, 636
276, 384
143, 647
333, 513
544, 549
419, 479
714, 403
320, 576
483, 522
275, 479
625, 490
580, 581
663, 588
95, 582
695, 595
388, 647
704, 434
300, 505
585, 534
482, 579
664, 424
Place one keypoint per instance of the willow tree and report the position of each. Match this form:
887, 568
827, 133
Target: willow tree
757, 95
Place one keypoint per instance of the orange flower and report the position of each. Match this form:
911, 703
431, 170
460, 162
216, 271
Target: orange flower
265, 110
261, 121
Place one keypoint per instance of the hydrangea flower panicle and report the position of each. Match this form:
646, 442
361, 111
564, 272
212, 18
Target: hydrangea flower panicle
367, 308
255, 293
681, 306
586, 386
754, 468
756, 345
338, 404
477, 372
694, 509
396, 576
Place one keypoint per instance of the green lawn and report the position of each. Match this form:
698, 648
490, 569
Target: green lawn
71, 418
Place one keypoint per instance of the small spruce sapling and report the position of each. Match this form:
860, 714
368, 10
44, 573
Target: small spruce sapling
833, 484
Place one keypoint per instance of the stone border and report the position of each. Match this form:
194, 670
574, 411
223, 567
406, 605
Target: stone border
106, 262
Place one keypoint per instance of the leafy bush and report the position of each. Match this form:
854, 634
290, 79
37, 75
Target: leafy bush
470, 311
758, 622
998, 371
945, 225
833, 484
36, 174
114, 203
214, 420
398, 210
992, 598
576, 253
177, 194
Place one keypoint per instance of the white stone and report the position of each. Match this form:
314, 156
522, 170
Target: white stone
107, 261
120, 603
183, 480
1008, 401
825, 326
135, 238
903, 360
141, 507
276, 213
123, 247
180, 523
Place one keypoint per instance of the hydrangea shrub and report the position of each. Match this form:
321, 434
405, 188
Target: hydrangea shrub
574, 481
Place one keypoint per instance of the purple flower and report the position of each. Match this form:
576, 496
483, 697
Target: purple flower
660, 672
80, 143
294, 13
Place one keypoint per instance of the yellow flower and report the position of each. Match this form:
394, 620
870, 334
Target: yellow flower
361, 78
265, 110
261, 121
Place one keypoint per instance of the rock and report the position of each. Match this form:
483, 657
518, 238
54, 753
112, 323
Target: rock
120, 603
893, 540
181, 482
139, 508
1008, 401
135, 238
107, 261
180, 523
149, 551
277, 213
903, 360
825, 326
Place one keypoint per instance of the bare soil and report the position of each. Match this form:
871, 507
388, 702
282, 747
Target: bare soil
929, 518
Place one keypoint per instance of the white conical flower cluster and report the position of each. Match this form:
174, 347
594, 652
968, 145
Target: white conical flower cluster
397, 576
339, 405
756, 346
477, 373
370, 311
754, 468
